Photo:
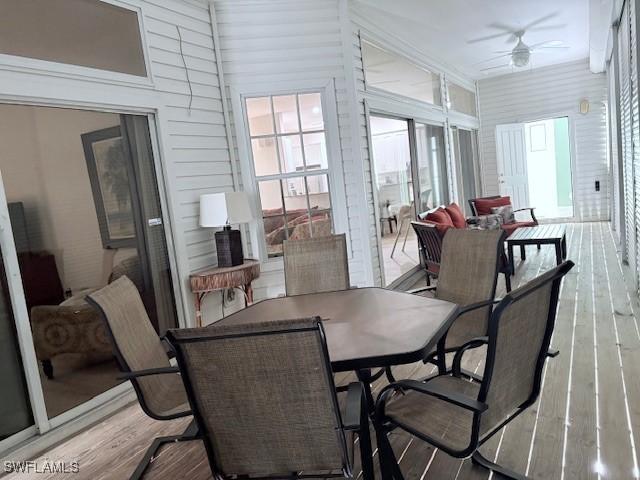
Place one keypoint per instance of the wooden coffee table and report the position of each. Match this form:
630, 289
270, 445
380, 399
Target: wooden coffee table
552, 234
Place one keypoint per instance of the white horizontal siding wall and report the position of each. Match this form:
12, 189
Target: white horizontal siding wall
267, 42
544, 93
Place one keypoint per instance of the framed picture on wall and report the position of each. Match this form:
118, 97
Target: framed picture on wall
109, 174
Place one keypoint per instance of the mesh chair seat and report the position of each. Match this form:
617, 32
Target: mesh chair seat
440, 420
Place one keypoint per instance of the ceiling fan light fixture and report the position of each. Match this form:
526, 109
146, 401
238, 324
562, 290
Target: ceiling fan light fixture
520, 58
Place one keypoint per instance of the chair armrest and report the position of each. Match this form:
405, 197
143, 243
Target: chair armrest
474, 306
432, 288
531, 211
354, 405
475, 343
455, 398
148, 372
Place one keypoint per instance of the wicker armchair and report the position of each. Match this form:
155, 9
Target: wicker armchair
316, 265
264, 397
143, 359
458, 416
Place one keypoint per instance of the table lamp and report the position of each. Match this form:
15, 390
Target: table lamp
223, 210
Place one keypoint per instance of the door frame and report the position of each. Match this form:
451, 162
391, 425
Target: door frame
571, 116
113, 398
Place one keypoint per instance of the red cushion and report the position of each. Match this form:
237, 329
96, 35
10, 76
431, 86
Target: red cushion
440, 227
484, 205
456, 215
509, 228
439, 216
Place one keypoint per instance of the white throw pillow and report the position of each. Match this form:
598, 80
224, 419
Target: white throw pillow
506, 212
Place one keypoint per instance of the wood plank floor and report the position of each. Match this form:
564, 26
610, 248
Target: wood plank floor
586, 423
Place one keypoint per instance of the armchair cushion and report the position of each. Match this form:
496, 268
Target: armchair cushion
456, 215
441, 219
484, 205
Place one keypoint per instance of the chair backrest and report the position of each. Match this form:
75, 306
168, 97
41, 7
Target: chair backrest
519, 335
316, 265
136, 344
472, 203
429, 244
469, 269
263, 396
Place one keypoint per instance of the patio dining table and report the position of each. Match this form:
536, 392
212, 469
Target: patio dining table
365, 327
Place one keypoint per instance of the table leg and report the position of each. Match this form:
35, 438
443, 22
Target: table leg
564, 247
511, 261
364, 376
558, 252
390, 220
523, 253
248, 294
198, 305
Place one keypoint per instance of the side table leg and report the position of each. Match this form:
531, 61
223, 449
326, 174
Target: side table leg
523, 253
564, 247
198, 305
558, 252
511, 260
248, 294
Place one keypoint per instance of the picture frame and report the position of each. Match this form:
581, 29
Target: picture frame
111, 185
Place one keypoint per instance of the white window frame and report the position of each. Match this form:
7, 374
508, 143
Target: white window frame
13, 63
334, 171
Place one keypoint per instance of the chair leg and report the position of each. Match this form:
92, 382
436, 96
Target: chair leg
389, 468
191, 433
507, 282
478, 459
406, 234
428, 280
47, 368
397, 237
389, 374
364, 439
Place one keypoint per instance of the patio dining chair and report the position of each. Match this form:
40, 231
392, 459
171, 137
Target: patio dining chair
264, 398
143, 360
316, 265
458, 416
468, 274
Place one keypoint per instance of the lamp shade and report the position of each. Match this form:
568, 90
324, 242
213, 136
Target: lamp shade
220, 209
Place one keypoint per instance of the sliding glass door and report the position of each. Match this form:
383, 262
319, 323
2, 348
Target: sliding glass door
84, 209
410, 177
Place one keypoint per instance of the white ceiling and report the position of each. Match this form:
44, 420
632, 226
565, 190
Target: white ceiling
442, 29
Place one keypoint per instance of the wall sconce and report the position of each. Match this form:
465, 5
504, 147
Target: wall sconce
584, 106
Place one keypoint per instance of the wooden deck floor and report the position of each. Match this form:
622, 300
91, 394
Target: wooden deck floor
586, 424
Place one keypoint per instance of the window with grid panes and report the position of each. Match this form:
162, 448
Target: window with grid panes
289, 153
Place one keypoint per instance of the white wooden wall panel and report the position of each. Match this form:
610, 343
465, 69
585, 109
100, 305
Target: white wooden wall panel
549, 92
264, 43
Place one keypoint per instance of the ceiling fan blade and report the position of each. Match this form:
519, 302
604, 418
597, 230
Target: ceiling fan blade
488, 37
503, 26
496, 67
540, 20
548, 27
548, 43
494, 58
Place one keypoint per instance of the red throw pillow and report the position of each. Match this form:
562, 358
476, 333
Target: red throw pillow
484, 205
456, 215
439, 216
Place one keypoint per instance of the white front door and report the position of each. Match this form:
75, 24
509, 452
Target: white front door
511, 154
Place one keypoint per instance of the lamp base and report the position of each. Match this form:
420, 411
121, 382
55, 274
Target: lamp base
229, 248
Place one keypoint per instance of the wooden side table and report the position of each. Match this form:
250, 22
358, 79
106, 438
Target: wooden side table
212, 279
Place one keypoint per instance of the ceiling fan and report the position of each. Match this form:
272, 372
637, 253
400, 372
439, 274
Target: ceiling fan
520, 55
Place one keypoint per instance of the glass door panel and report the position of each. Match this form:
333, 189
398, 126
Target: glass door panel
391, 147
432, 169
84, 194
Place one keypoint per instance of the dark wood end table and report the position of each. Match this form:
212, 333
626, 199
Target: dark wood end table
212, 279
551, 234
